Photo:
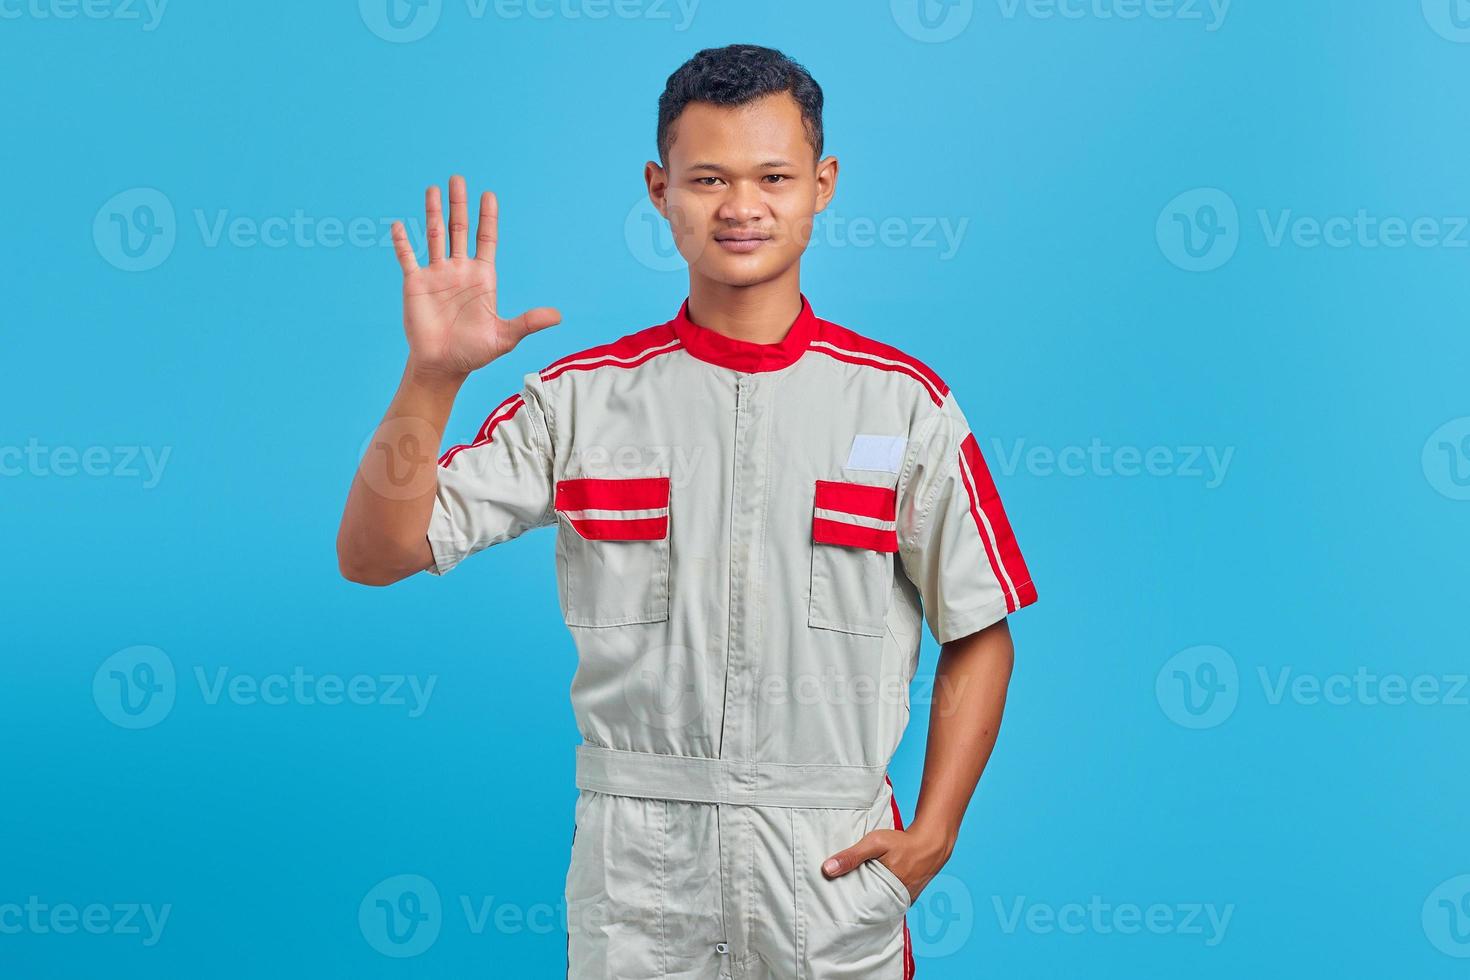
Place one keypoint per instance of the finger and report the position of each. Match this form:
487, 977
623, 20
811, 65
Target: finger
403, 249
488, 234
532, 320
459, 220
434, 224
844, 861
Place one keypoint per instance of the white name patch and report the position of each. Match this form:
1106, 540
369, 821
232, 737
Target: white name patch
871, 452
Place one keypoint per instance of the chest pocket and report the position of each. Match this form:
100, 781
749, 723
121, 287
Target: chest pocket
854, 538
612, 550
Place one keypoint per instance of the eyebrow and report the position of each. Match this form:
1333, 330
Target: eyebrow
717, 168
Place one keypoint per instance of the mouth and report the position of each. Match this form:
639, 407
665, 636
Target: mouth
741, 241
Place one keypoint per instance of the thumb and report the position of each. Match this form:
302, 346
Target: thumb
532, 320
844, 861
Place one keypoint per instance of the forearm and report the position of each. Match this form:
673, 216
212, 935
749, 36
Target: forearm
382, 537
969, 698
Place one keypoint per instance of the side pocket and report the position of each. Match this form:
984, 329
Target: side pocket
854, 538
894, 882
612, 550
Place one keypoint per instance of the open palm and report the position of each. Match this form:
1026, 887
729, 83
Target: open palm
449, 305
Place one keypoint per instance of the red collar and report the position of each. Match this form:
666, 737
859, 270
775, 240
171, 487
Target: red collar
743, 355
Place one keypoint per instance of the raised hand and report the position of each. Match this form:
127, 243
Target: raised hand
449, 305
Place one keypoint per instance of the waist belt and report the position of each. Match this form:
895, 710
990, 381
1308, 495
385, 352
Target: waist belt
654, 776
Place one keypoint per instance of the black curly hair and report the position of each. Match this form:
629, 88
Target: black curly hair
732, 76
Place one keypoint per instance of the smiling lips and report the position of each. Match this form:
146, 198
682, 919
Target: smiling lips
742, 241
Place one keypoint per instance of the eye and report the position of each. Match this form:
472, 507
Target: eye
703, 181
777, 178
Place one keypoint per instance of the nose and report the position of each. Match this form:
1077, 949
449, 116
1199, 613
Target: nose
743, 202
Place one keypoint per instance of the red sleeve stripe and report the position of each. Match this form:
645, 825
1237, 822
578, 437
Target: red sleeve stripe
994, 527
503, 411
908, 947
935, 388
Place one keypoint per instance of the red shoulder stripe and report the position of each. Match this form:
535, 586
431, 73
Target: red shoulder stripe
630, 351
846, 345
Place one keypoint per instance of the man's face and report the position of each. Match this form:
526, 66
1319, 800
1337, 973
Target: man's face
741, 188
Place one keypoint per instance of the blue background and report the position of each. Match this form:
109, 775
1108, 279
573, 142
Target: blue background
1333, 834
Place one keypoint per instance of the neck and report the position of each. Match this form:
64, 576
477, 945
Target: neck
759, 314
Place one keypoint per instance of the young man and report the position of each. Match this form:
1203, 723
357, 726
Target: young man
756, 510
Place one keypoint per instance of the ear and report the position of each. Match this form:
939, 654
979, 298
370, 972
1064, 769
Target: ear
826, 182
657, 180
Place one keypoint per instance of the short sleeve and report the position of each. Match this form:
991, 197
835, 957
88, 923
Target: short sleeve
955, 541
497, 486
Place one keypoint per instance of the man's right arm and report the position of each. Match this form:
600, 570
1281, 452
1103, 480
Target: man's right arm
382, 537
453, 329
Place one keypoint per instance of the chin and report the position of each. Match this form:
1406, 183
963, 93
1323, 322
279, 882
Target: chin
738, 273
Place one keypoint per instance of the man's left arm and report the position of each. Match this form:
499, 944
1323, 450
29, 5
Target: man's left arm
969, 697
957, 547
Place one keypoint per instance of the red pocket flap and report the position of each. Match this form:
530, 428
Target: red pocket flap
857, 515
633, 509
